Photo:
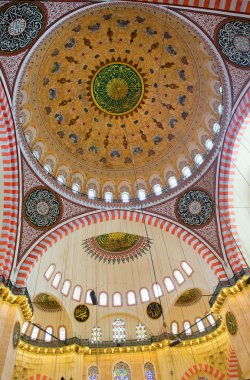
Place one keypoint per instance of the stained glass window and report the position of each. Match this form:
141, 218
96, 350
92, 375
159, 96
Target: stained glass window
149, 371
93, 373
119, 331
121, 372
96, 334
141, 332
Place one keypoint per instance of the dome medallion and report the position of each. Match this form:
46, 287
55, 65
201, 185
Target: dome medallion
117, 88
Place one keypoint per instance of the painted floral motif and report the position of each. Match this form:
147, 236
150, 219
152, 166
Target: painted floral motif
195, 208
42, 208
20, 24
234, 41
116, 247
189, 297
46, 302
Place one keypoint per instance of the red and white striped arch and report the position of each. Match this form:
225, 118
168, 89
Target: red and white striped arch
102, 216
232, 365
239, 6
10, 185
201, 367
239, 122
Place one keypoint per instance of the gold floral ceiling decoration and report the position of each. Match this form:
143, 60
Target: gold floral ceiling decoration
46, 302
189, 297
116, 247
117, 93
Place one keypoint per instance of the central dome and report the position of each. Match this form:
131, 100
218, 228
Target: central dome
117, 88
119, 93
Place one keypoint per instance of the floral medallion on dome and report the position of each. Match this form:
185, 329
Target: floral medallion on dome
189, 297
42, 208
116, 247
20, 24
234, 42
46, 302
117, 88
194, 208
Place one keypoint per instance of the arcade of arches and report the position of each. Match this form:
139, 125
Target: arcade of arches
124, 190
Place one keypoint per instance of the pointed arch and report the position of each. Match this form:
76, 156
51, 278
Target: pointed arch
239, 122
202, 367
121, 369
10, 168
232, 365
101, 216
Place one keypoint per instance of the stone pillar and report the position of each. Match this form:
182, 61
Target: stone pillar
9, 315
238, 306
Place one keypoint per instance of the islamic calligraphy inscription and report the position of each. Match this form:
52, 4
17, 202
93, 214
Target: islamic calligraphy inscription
231, 323
81, 313
117, 88
154, 310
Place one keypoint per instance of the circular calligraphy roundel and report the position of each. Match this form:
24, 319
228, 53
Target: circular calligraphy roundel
117, 88
81, 313
20, 24
154, 310
234, 42
231, 323
16, 334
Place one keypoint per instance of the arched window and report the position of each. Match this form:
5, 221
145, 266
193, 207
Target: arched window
47, 167
220, 109
24, 327
49, 332
172, 181
61, 179
200, 324
103, 299
211, 319
157, 189
186, 172
216, 128
144, 295
131, 298
27, 138
157, 290
141, 194
88, 298
198, 159
187, 328
174, 328
34, 333
178, 276
66, 287
141, 332
76, 187
77, 293
96, 334
125, 196
209, 144
62, 333
121, 372
169, 284
117, 299
56, 280
187, 269
93, 373
49, 271
108, 196
36, 154
149, 371
91, 193
119, 331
